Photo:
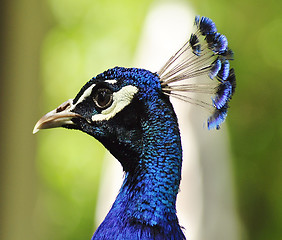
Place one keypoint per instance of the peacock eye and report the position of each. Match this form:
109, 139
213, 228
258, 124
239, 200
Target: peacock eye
103, 97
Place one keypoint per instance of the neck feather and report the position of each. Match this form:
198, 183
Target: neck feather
146, 202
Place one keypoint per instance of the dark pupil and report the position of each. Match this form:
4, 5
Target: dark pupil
103, 98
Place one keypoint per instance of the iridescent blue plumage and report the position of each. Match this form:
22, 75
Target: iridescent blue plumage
223, 95
145, 206
218, 117
215, 67
217, 42
223, 73
205, 25
129, 111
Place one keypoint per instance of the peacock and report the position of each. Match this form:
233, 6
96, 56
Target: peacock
129, 111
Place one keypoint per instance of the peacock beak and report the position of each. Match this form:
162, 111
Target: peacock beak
60, 116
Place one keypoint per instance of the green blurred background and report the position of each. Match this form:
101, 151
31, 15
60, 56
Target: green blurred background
50, 48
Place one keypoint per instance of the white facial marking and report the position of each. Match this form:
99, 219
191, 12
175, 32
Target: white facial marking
111, 81
120, 100
86, 93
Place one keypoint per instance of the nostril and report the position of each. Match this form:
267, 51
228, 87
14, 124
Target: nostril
64, 106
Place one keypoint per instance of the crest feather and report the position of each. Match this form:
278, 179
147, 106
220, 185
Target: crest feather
202, 67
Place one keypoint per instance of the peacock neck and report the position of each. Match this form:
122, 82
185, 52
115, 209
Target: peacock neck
148, 195
155, 182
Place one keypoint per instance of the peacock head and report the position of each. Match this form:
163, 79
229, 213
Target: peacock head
102, 98
113, 105
110, 107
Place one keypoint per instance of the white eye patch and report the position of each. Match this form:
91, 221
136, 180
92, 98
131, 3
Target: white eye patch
121, 99
111, 81
88, 91
86, 94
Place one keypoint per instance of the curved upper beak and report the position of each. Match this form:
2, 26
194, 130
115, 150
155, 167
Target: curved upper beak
57, 118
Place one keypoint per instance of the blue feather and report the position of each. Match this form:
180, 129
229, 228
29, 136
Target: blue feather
205, 54
205, 25
215, 67
217, 118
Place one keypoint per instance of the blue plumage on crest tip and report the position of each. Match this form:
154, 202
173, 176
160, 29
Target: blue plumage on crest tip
215, 67
223, 73
223, 95
205, 25
204, 57
217, 42
218, 117
194, 43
